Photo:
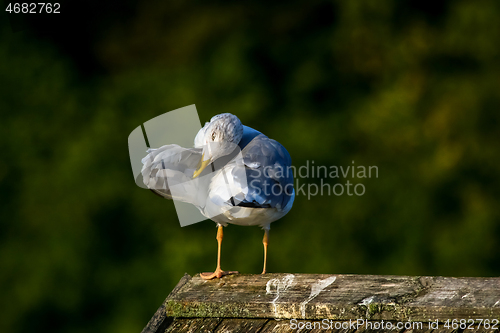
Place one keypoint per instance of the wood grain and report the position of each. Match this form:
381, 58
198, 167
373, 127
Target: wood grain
159, 322
337, 297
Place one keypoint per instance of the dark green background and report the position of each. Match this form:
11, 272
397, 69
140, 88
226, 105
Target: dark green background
410, 88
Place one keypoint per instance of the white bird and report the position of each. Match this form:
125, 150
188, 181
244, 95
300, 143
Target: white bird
251, 188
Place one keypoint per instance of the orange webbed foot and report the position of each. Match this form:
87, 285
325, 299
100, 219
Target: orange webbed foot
217, 274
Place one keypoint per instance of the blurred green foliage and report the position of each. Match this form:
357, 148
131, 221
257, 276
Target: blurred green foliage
408, 87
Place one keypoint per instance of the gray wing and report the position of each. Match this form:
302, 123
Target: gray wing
269, 178
269, 173
175, 163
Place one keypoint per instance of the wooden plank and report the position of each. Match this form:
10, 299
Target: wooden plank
276, 326
425, 329
313, 326
317, 326
482, 330
337, 297
240, 325
193, 325
159, 322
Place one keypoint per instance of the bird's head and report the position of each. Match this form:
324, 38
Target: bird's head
220, 138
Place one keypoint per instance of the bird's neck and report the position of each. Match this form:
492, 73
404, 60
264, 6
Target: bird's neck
248, 135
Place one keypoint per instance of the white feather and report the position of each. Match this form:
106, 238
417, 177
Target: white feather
226, 195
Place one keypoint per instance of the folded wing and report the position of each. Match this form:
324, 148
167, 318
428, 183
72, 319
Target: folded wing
263, 179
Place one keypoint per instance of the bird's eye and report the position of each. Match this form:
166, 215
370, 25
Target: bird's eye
213, 136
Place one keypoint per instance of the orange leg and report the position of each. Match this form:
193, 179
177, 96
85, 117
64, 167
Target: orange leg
218, 271
265, 241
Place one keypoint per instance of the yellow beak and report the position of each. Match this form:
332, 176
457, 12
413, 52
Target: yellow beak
201, 166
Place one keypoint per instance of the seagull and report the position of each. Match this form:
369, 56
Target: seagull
234, 174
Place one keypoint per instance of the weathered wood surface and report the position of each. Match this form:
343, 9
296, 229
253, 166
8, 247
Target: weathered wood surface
220, 325
193, 325
337, 297
159, 322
